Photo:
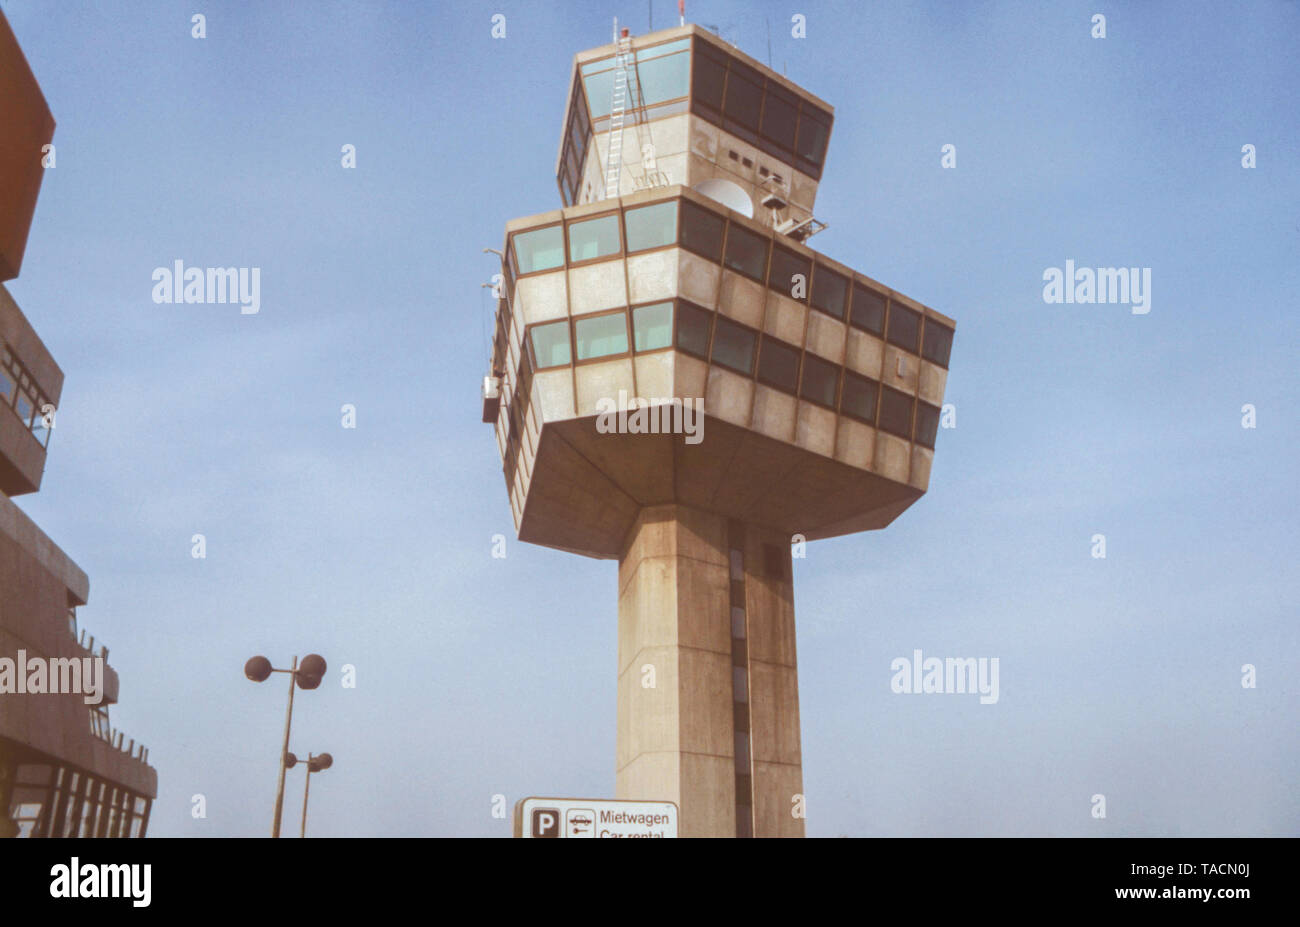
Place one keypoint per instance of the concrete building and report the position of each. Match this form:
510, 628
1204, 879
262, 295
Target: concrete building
64, 771
678, 273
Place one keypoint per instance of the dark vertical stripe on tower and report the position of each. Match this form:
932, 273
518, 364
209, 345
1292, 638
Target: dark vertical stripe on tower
740, 681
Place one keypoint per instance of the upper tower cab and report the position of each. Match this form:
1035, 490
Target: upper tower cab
681, 106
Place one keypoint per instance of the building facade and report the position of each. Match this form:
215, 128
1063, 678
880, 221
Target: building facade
64, 770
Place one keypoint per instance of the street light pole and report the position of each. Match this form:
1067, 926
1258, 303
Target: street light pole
305, 675
306, 790
288, 720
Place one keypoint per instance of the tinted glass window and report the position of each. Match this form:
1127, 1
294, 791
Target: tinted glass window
813, 133
789, 274
904, 327
859, 398
746, 252
594, 238
24, 407
706, 84
693, 329
7, 386
938, 343
702, 231
601, 336
868, 310
896, 412
664, 78
927, 424
600, 92
820, 379
733, 346
830, 292
652, 326
551, 344
778, 365
651, 226
540, 249
744, 96
780, 116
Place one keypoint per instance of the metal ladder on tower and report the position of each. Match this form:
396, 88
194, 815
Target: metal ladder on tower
617, 117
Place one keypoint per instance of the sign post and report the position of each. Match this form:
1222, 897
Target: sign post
594, 818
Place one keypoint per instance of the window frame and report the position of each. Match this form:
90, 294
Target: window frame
925, 333
532, 347
847, 375
586, 316
761, 279
781, 346
885, 389
564, 249
916, 423
677, 226
681, 238
672, 326
616, 213
915, 348
818, 268
718, 321
838, 370
808, 273
712, 315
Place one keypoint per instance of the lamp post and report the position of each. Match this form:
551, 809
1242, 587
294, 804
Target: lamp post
307, 675
315, 763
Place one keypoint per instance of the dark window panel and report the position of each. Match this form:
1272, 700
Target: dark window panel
708, 78
859, 398
896, 412
744, 96
778, 365
785, 267
868, 310
702, 231
693, 329
821, 378
746, 252
733, 346
937, 345
780, 117
830, 291
814, 130
904, 327
927, 424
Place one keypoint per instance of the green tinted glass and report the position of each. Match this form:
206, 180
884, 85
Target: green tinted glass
551, 344
540, 249
601, 336
593, 239
652, 326
651, 226
664, 78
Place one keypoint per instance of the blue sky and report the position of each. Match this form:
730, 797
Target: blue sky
478, 676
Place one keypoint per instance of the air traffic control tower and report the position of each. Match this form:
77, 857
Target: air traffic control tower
679, 271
